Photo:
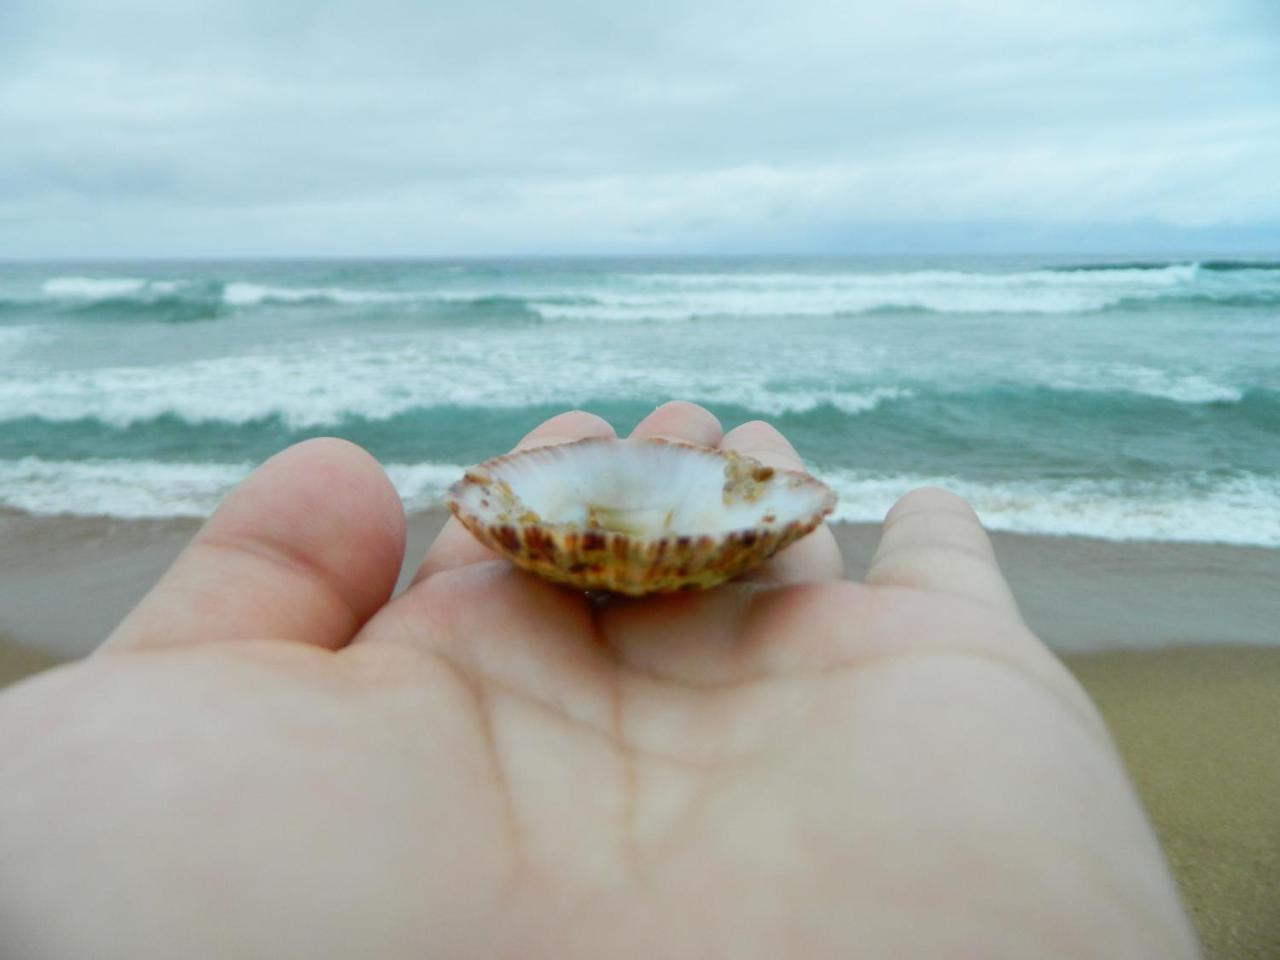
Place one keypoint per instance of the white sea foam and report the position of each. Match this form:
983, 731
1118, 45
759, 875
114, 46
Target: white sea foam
243, 294
322, 382
381, 377
820, 302
132, 489
1166, 276
92, 288
777, 402
422, 485
673, 297
106, 288
1186, 388
239, 294
116, 488
681, 296
1180, 387
676, 297
1241, 510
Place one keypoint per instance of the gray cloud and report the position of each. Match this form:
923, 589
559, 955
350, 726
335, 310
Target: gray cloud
140, 127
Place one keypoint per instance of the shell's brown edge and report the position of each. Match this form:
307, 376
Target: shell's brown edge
614, 561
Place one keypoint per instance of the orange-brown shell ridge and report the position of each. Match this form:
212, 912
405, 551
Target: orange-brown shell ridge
636, 516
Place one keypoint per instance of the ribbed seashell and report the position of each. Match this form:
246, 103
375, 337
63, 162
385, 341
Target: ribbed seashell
636, 516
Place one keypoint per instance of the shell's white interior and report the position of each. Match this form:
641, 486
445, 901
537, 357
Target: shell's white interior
644, 489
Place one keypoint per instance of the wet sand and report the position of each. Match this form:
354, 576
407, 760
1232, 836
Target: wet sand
65, 582
1179, 644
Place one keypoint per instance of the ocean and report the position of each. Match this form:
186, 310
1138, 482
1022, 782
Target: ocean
1121, 400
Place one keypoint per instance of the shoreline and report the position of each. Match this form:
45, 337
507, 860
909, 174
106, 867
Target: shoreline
1080, 595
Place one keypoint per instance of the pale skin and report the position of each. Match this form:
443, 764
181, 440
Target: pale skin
271, 758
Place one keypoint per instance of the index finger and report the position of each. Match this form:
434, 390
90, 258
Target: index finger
455, 547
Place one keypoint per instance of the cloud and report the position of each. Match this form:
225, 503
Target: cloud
383, 126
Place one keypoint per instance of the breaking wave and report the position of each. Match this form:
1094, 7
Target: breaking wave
1242, 508
624, 297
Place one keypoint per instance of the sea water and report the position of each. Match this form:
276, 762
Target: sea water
1112, 399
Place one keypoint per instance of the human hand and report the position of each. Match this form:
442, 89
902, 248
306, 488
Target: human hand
270, 758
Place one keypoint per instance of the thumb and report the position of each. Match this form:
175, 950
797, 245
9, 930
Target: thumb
306, 549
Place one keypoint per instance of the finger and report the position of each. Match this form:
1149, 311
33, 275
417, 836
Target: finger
306, 549
679, 420
932, 540
455, 546
815, 557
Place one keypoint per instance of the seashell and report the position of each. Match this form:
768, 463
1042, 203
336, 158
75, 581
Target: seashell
636, 516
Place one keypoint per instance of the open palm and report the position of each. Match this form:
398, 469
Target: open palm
269, 758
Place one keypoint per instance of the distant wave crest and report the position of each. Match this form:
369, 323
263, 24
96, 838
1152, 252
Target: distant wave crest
1221, 266
106, 288
117, 299
689, 296
238, 294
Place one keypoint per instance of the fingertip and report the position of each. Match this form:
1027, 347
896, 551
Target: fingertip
306, 549
681, 420
932, 539
329, 477
932, 499
755, 426
566, 428
764, 442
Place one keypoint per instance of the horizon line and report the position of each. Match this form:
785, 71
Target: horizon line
1136, 255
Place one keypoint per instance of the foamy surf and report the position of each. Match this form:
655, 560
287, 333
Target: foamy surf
141, 489
1071, 397
105, 288
252, 294
326, 384
656, 296
1242, 509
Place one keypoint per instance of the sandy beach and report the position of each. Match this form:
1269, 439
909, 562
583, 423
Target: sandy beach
1177, 643
1080, 595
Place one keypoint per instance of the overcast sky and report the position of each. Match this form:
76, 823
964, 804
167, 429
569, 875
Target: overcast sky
379, 127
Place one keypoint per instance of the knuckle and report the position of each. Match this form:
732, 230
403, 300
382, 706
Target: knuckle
937, 553
931, 500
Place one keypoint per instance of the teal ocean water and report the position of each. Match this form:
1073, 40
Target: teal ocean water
1119, 400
